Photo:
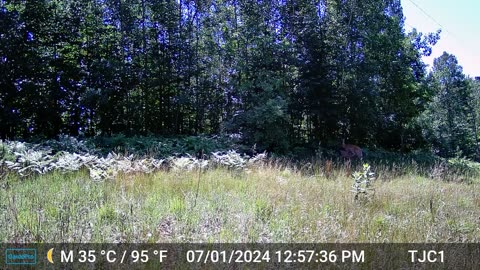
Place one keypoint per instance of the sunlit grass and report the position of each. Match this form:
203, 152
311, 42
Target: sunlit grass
264, 204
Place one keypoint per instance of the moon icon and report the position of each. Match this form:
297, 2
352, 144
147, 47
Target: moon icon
49, 255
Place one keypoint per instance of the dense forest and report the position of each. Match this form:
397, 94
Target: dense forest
277, 73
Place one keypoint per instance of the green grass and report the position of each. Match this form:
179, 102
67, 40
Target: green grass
267, 204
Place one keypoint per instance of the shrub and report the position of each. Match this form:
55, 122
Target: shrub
362, 182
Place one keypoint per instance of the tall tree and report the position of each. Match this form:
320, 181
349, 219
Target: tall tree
448, 118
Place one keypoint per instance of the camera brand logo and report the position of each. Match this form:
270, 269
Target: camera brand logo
20, 256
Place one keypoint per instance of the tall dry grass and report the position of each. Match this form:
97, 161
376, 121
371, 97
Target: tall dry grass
279, 201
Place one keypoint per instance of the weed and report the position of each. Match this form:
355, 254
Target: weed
362, 182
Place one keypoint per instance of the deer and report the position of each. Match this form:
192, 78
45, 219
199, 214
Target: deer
351, 151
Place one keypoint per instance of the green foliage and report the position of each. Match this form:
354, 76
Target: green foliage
449, 122
3, 165
107, 213
362, 183
464, 167
383, 157
263, 210
53, 155
265, 126
161, 147
282, 74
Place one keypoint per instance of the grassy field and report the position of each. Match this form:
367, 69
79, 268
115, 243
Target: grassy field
264, 204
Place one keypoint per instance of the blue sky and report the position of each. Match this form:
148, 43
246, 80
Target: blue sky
460, 24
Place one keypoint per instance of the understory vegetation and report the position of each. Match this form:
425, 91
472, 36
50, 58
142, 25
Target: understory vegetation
105, 157
68, 154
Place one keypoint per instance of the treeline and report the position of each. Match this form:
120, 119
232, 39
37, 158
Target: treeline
280, 73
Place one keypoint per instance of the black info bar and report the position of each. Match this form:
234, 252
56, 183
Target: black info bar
239, 256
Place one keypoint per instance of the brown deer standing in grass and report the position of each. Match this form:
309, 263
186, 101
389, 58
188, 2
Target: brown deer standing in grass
349, 152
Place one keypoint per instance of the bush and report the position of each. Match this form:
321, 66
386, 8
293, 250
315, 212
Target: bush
362, 182
162, 147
